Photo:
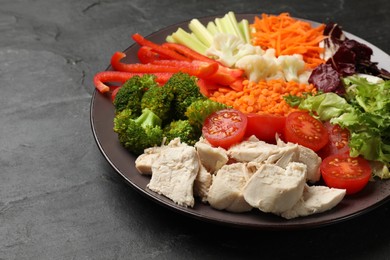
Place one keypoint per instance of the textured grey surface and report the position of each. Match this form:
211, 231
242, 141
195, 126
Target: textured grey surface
59, 198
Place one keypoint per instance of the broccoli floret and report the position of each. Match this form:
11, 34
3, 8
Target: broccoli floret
158, 100
186, 91
130, 94
136, 134
200, 109
184, 130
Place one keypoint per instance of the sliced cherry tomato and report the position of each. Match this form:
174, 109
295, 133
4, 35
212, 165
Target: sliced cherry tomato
345, 172
303, 129
265, 126
225, 128
338, 140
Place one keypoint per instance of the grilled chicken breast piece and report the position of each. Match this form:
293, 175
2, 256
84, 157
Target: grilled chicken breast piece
174, 172
274, 189
225, 192
315, 199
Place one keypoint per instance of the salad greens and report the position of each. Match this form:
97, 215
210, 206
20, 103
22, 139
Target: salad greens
364, 110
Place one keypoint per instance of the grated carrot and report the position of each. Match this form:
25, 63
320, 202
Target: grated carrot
262, 97
288, 36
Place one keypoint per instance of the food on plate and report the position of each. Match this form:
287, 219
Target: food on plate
346, 172
256, 122
174, 173
302, 128
253, 114
211, 157
225, 127
315, 199
250, 174
274, 189
226, 190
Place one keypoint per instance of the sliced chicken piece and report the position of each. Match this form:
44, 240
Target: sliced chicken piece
315, 199
174, 172
212, 158
284, 156
144, 162
306, 156
202, 183
313, 162
225, 192
252, 150
274, 189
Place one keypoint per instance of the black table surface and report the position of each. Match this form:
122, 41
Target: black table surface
60, 199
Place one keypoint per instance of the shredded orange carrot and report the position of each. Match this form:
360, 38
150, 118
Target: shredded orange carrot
289, 36
262, 97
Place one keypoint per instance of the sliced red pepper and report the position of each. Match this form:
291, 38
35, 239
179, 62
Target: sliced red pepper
101, 78
206, 86
195, 68
226, 76
188, 52
237, 84
114, 92
158, 48
146, 55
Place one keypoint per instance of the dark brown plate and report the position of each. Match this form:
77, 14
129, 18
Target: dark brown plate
102, 114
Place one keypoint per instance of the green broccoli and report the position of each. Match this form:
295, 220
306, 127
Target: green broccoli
182, 129
186, 91
200, 109
158, 100
130, 94
136, 134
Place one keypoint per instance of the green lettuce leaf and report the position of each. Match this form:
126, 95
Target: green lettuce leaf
364, 111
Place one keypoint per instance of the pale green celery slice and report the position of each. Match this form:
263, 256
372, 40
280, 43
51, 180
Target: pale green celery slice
201, 32
170, 39
231, 17
212, 28
220, 25
244, 28
189, 40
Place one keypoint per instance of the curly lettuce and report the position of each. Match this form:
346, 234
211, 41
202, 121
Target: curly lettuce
364, 111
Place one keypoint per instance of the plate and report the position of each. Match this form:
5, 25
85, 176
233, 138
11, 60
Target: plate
102, 113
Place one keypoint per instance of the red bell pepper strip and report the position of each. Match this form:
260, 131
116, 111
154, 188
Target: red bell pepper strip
101, 78
158, 48
226, 76
146, 55
196, 68
188, 52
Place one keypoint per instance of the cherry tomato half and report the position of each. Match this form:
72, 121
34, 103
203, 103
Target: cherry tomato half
303, 129
345, 172
225, 127
338, 140
265, 126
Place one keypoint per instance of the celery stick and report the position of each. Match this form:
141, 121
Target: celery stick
244, 28
170, 39
234, 24
228, 25
220, 26
212, 28
201, 32
191, 41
